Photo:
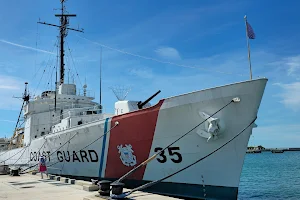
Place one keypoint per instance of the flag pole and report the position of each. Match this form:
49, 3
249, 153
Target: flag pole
248, 45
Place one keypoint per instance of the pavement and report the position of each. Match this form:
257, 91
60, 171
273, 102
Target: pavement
27, 186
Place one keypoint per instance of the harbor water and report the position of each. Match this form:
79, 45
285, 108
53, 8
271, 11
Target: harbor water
269, 175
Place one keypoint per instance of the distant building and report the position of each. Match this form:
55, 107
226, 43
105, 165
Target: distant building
4, 142
256, 148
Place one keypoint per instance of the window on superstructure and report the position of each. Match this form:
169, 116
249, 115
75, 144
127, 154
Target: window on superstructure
89, 112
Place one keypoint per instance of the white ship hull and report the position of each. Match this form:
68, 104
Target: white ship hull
156, 127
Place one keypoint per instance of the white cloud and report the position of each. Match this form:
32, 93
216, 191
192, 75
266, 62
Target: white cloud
9, 87
141, 72
290, 95
293, 64
290, 64
276, 136
168, 53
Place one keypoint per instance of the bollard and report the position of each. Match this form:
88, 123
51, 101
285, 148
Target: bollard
52, 177
14, 172
94, 182
104, 187
117, 188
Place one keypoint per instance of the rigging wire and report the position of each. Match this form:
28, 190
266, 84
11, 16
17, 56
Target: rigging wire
74, 64
156, 60
182, 169
36, 42
47, 84
159, 152
43, 71
55, 44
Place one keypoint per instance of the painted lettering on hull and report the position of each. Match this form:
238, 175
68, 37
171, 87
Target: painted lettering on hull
80, 156
35, 156
130, 142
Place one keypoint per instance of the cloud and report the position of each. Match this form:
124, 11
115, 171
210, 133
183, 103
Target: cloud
290, 64
9, 87
293, 63
276, 136
290, 95
26, 47
141, 72
168, 53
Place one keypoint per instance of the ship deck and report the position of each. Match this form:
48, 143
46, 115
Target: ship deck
27, 186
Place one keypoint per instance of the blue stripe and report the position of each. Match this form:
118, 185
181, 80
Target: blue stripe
103, 147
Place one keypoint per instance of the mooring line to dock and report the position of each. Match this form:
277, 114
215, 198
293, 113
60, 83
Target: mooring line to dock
11, 156
51, 153
152, 157
20, 156
63, 164
147, 185
37, 151
59, 148
116, 124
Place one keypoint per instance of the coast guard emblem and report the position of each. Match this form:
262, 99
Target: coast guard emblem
126, 156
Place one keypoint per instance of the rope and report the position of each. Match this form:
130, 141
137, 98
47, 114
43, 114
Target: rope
74, 152
20, 156
37, 151
63, 164
166, 177
74, 63
11, 156
88, 144
52, 152
152, 157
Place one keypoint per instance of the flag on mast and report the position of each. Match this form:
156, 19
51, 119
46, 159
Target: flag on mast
249, 35
250, 32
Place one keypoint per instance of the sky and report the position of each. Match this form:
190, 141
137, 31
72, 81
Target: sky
172, 46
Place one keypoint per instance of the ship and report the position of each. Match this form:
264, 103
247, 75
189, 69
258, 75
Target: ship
80, 140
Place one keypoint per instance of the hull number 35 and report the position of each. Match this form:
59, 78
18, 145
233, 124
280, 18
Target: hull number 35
173, 154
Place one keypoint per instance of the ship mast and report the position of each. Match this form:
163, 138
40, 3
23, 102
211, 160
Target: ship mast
63, 29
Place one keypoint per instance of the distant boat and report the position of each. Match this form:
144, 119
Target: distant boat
277, 150
253, 151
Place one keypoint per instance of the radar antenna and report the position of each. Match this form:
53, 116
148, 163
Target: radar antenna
120, 92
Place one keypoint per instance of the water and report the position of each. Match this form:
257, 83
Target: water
269, 175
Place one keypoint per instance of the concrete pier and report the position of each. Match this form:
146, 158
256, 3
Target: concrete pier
31, 187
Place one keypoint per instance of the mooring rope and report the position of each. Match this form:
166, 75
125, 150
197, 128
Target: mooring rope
147, 185
37, 151
51, 153
152, 157
20, 155
116, 124
65, 144
12, 155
